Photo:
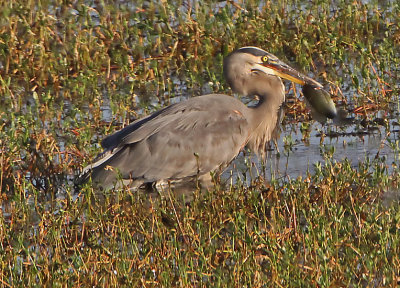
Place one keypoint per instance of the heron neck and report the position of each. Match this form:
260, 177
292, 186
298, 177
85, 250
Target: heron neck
265, 116
270, 100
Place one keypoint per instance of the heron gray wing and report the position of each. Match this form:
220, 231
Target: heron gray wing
197, 147
191, 138
181, 113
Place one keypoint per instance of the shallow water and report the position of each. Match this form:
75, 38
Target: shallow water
302, 156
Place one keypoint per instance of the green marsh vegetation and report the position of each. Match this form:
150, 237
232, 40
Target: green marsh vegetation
73, 71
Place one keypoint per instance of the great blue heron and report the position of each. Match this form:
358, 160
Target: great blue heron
203, 134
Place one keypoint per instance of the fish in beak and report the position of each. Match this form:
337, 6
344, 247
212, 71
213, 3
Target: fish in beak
321, 103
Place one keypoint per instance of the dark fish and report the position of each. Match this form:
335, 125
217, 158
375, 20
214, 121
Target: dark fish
320, 101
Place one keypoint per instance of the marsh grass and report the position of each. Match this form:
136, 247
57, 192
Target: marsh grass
71, 72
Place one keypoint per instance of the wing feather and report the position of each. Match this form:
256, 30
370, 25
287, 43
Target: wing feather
182, 140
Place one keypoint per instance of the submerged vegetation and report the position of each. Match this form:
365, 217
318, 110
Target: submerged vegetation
73, 71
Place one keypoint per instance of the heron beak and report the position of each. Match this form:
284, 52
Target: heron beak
284, 71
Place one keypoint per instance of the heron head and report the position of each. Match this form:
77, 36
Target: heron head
258, 60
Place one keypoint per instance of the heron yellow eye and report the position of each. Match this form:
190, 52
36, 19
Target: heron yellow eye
265, 59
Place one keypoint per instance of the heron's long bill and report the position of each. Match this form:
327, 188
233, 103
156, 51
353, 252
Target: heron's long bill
286, 72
